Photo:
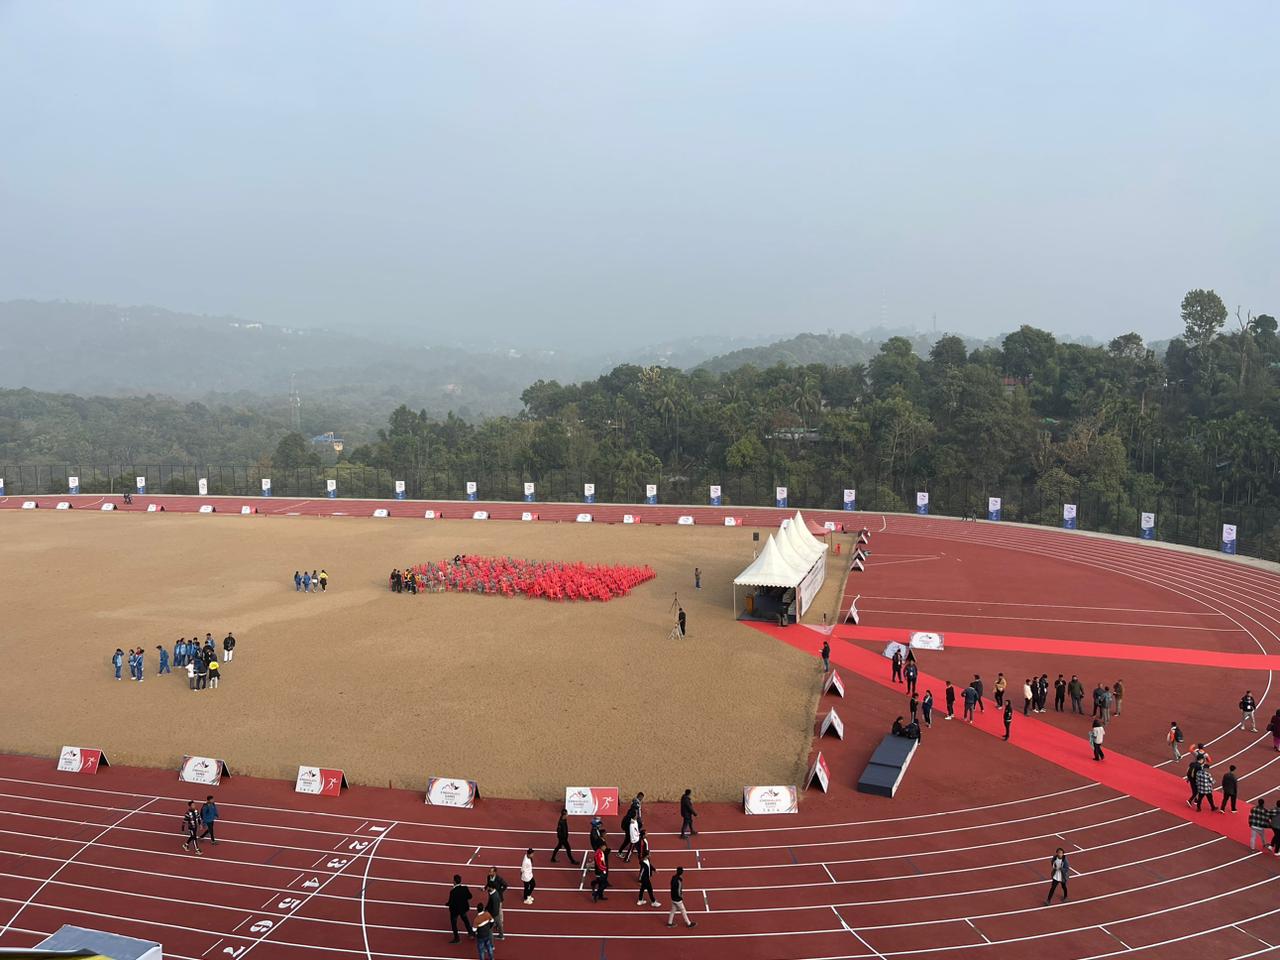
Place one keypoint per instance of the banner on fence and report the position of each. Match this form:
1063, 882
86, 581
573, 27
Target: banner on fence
818, 772
141, 484
714, 491
399, 489
320, 781
1, 486
202, 486
993, 509
922, 502
591, 801
529, 490
73, 485
780, 496
769, 800
451, 792
471, 489
81, 760
1228, 538
851, 499
1148, 525
331, 488
1069, 516
266, 486
588, 493
650, 493
206, 770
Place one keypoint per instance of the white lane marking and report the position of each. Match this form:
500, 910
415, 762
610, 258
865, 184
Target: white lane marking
977, 931
364, 886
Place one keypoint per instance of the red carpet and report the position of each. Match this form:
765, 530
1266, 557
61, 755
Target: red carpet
1166, 791
1072, 648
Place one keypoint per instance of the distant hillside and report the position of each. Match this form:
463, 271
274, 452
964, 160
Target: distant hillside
840, 350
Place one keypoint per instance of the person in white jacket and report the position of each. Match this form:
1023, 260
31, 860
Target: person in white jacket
1096, 734
526, 875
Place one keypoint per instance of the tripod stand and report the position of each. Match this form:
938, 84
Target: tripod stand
677, 631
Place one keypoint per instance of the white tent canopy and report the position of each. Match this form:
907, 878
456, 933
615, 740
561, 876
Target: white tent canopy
802, 542
802, 531
791, 559
769, 569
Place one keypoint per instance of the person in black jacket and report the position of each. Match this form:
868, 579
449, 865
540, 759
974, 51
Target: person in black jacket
1008, 718
1248, 708
562, 838
687, 813
459, 904
646, 883
977, 687
677, 900
1230, 789
496, 888
228, 647
951, 701
1059, 693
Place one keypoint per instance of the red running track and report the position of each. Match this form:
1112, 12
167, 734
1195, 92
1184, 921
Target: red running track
954, 867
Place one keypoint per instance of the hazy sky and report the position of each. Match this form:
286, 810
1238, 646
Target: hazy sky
635, 171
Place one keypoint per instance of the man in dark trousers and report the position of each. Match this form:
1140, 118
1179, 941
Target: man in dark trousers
1059, 693
1230, 789
951, 701
1008, 717
826, 657
677, 900
970, 699
1099, 700
209, 816
914, 705
1248, 706
977, 686
496, 887
562, 838
1076, 689
601, 881
1044, 691
459, 904
687, 813
912, 673
897, 666
926, 708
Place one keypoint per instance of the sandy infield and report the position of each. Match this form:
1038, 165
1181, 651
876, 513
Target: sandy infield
524, 696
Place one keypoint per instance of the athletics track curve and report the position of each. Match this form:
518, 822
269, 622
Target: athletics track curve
926, 875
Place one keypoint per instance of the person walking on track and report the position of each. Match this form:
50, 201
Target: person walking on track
677, 900
459, 904
1204, 788
1008, 718
1248, 711
977, 687
526, 875
1174, 739
1274, 729
687, 814
1059, 871
970, 700
998, 688
950, 694
601, 881
1259, 820
497, 888
1096, 735
646, 882
1230, 789
209, 816
484, 933
562, 838
191, 823
633, 839
826, 657
926, 708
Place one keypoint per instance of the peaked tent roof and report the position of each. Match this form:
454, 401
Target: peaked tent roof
769, 569
798, 558
806, 532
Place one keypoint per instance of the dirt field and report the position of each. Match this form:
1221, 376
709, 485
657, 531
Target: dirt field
523, 696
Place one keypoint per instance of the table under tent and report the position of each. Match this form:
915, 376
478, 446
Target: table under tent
786, 575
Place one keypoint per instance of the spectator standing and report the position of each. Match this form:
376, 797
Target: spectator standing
191, 824
1027, 695
926, 708
897, 666
687, 813
1059, 694
1042, 692
202, 673
1204, 788
1274, 728
484, 933
1230, 789
1108, 704
601, 881
141, 662
324, 580
597, 833
1248, 710
306, 582
215, 674
1259, 821
497, 888
1098, 700
677, 900
228, 647
1118, 693
297, 581
1008, 718
459, 904
1059, 871
912, 673
209, 816
977, 686
970, 700
998, 688
526, 875
1076, 689
826, 657
950, 694
914, 706
1096, 735
697, 579
117, 661
562, 838
191, 674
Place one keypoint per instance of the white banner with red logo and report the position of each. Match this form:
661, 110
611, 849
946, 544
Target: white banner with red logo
591, 801
81, 760
206, 770
770, 799
320, 781
451, 792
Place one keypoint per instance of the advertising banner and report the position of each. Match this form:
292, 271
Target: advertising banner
591, 801
73, 485
81, 760
528, 492
471, 489
266, 487
399, 489
320, 781
650, 493
208, 771
993, 509
780, 497
1069, 516
331, 489
202, 485
1228, 538
141, 484
922, 502
715, 494
451, 792
851, 499
1148, 526
770, 800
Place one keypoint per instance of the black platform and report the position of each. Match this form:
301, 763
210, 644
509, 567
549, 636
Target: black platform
887, 765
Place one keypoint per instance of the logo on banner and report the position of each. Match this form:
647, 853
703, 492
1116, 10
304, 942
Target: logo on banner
206, 770
450, 792
685, 520
1, 486
399, 489
993, 508
1148, 526
767, 800
591, 801
320, 781
202, 485
715, 495
584, 518
834, 684
651, 493
528, 492
631, 518
1228, 538
331, 488
1069, 516
588, 493
922, 502
471, 489
81, 760
819, 772
480, 515
266, 486
780, 497
926, 641
851, 499
141, 484
73, 485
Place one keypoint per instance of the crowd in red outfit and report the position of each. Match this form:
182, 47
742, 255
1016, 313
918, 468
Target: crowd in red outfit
510, 577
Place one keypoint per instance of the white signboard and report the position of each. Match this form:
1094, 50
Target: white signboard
851, 495
528, 489
202, 486
331, 486
73, 484
651, 490
819, 772
206, 770
770, 799
107, 506
480, 515
922, 498
400, 486
429, 515
685, 521
381, 512
731, 521
584, 518
452, 792
588, 489
266, 486
1068, 511
471, 486
833, 723
526, 515
245, 511
206, 508
993, 504
1148, 521
630, 518
140, 483
63, 505
29, 505
926, 641
834, 684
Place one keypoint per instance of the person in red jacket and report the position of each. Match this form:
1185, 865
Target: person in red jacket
601, 881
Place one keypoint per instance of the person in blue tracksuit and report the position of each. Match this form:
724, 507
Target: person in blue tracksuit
133, 664
141, 655
306, 583
297, 581
164, 659
208, 816
178, 649
117, 661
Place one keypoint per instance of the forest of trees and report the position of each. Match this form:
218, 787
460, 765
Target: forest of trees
1117, 429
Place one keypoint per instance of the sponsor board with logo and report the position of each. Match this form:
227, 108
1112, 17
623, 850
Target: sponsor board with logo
770, 799
320, 781
81, 760
452, 792
205, 770
591, 801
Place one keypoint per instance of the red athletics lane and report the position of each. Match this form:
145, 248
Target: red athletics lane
1144, 653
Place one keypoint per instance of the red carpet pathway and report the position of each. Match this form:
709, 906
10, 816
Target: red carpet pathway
1072, 648
1124, 774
